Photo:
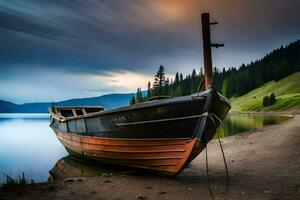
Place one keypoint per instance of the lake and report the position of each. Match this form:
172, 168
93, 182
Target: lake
28, 145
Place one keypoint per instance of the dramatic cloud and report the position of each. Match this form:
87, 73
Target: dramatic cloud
127, 40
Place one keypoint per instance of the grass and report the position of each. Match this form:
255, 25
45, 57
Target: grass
11, 182
287, 92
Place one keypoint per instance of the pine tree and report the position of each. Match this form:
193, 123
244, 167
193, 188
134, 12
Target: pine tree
159, 81
194, 81
176, 80
139, 95
171, 88
181, 77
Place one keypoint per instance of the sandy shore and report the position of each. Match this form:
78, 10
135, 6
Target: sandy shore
263, 164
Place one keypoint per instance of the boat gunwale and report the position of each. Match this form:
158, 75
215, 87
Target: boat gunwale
123, 109
200, 96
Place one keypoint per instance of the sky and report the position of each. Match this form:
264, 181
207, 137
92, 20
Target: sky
52, 50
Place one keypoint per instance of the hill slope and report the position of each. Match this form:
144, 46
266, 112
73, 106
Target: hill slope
108, 101
286, 90
276, 65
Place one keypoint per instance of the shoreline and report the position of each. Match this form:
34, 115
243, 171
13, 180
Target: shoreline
284, 112
263, 164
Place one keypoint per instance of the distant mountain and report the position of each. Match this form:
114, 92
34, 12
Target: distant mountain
7, 107
109, 101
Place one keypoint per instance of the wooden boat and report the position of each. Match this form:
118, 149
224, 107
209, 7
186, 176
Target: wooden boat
160, 135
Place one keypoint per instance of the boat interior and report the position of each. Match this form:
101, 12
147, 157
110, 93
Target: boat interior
74, 111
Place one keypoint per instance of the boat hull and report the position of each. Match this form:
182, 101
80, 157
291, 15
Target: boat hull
162, 136
163, 156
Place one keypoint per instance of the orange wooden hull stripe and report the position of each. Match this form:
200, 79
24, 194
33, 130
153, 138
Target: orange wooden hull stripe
167, 156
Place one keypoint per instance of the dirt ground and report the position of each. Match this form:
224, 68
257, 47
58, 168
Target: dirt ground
263, 164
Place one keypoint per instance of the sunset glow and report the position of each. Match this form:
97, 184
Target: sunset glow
123, 81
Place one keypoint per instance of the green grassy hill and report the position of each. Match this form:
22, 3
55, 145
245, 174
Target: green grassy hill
287, 92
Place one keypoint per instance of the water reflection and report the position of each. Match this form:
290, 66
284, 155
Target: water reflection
238, 123
68, 167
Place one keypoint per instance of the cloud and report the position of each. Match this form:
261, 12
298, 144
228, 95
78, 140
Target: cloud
121, 81
119, 39
42, 84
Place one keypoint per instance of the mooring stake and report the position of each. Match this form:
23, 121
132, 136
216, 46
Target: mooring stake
208, 79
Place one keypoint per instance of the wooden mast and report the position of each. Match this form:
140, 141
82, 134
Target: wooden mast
208, 72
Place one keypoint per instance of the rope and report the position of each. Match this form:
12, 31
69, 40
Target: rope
206, 162
207, 174
225, 164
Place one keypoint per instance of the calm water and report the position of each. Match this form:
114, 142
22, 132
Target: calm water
27, 143
238, 123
